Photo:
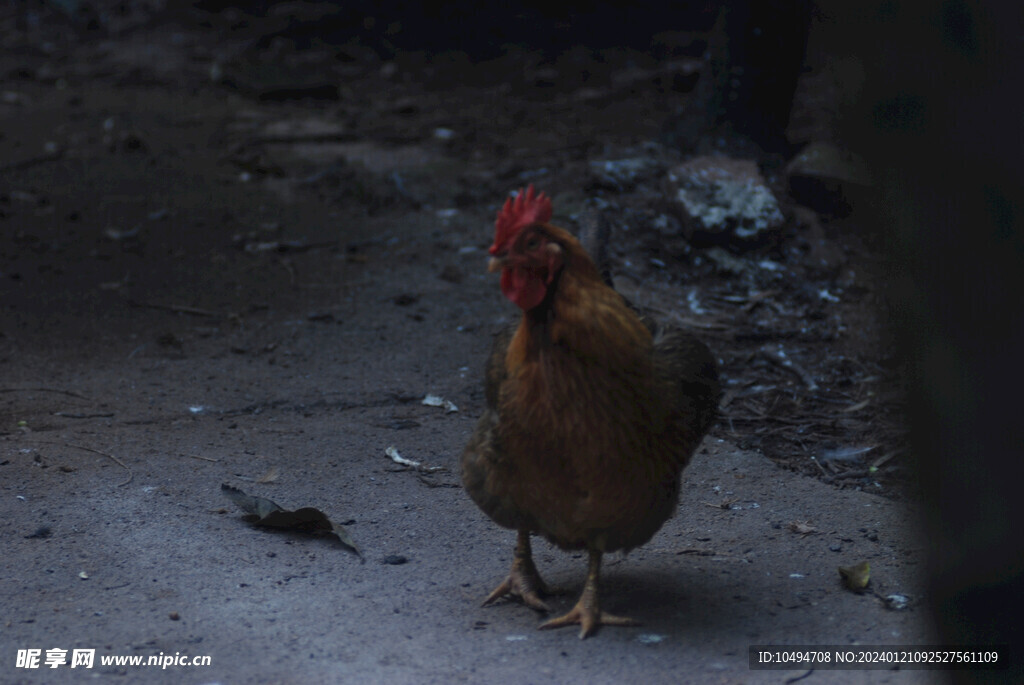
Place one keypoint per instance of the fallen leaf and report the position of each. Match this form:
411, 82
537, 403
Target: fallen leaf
270, 476
856, 577
261, 511
438, 401
802, 528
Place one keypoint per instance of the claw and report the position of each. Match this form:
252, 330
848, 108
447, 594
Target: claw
517, 585
587, 611
588, 620
523, 580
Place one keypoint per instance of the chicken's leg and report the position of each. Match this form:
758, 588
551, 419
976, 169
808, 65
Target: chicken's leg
523, 580
587, 611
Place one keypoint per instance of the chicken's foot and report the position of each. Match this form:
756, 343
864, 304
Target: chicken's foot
587, 612
523, 580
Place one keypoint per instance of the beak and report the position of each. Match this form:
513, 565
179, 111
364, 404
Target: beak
496, 264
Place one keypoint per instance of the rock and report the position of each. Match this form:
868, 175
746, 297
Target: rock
723, 201
827, 178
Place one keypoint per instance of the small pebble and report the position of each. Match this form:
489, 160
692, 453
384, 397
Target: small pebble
394, 560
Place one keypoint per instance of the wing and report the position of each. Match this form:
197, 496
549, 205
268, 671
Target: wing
495, 373
690, 368
487, 471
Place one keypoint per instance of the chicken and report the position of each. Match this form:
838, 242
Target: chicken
592, 412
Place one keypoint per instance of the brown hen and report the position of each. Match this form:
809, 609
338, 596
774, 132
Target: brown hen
592, 412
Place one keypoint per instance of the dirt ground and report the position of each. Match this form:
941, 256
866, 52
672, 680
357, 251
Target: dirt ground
209, 277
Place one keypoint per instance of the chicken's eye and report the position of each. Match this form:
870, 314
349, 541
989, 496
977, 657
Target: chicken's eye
532, 243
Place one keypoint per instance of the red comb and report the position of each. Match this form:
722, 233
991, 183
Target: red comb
527, 208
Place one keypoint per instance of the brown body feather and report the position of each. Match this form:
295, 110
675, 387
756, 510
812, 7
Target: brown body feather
592, 416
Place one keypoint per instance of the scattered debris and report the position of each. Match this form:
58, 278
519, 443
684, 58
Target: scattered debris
779, 356
177, 308
199, 456
798, 678
42, 389
71, 415
52, 154
392, 452
896, 602
802, 528
116, 234
264, 512
95, 451
438, 401
257, 247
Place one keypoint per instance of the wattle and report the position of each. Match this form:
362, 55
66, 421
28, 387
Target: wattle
526, 289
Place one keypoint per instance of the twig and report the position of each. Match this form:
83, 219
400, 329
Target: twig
197, 456
858, 473
52, 156
856, 407
67, 415
289, 139
693, 323
179, 308
94, 451
884, 459
57, 390
431, 484
757, 298
794, 679
778, 356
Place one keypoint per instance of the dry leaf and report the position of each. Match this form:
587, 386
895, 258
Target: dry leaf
438, 401
856, 577
802, 528
261, 511
270, 476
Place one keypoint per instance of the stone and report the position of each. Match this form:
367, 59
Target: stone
723, 201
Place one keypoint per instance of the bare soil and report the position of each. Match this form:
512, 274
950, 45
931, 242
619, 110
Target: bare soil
209, 277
